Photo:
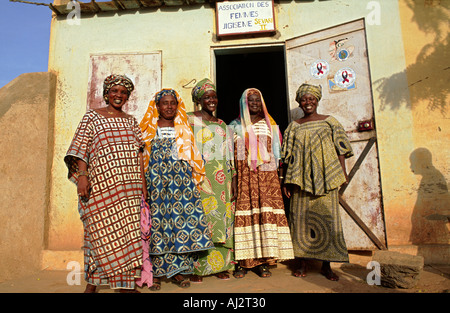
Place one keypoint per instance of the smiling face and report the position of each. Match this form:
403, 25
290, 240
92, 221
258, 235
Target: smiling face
209, 101
309, 103
117, 96
254, 104
167, 107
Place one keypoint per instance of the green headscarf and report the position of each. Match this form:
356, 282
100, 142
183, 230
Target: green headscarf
200, 88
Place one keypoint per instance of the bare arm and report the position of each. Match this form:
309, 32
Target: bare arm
284, 187
144, 181
83, 185
342, 161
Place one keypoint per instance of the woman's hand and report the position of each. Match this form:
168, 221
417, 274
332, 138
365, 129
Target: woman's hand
144, 180
83, 187
234, 189
145, 192
287, 191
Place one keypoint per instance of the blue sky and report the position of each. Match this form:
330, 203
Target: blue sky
25, 34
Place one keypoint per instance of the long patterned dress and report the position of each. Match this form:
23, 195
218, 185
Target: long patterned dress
111, 215
214, 142
179, 227
310, 151
261, 227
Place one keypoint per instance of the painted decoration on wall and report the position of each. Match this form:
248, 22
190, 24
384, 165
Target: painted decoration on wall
334, 46
333, 87
337, 50
343, 54
345, 77
319, 69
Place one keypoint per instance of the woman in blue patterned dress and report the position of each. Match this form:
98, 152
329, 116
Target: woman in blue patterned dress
173, 169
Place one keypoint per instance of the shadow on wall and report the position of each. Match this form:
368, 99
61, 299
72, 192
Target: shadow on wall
431, 71
431, 216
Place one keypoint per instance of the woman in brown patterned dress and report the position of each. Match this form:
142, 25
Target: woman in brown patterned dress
313, 154
261, 229
105, 162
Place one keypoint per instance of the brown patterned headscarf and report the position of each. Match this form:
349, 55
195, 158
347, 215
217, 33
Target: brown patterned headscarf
316, 91
115, 79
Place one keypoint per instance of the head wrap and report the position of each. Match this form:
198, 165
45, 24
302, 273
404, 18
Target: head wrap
115, 79
201, 88
165, 92
184, 137
316, 91
242, 127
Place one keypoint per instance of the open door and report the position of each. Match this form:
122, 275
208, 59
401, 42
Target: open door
240, 67
336, 58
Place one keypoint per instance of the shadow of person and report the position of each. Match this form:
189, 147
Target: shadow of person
431, 215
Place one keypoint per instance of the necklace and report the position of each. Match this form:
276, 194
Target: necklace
109, 112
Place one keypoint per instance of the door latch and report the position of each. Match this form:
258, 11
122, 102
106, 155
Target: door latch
365, 125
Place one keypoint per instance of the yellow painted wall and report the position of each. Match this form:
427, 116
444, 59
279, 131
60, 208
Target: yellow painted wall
185, 36
426, 35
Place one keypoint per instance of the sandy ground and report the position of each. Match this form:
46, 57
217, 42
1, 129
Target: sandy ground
280, 293
434, 279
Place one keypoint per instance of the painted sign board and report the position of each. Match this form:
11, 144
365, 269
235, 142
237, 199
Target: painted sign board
244, 17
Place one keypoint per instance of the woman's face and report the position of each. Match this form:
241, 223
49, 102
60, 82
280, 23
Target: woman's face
308, 103
254, 104
209, 101
167, 107
117, 96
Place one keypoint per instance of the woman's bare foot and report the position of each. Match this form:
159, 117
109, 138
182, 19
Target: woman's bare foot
301, 271
90, 288
196, 279
327, 272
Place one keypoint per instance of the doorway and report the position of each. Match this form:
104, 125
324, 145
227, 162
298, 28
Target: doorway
263, 68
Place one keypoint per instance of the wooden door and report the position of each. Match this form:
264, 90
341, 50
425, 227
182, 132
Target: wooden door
336, 58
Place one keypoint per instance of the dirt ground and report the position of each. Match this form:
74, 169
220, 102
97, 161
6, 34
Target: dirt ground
433, 279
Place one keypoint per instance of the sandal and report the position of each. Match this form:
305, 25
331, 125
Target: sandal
223, 276
263, 271
239, 272
156, 285
181, 281
196, 279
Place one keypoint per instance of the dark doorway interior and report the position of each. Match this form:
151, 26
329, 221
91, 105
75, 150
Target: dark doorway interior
262, 68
